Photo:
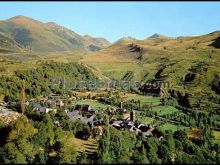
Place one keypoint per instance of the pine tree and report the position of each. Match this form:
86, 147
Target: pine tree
23, 97
105, 142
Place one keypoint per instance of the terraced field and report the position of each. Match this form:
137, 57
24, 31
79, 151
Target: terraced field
216, 134
172, 127
117, 70
143, 99
95, 104
145, 120
89, 146
164, 110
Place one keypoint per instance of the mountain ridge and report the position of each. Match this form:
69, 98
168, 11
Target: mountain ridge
157, 35
37, 36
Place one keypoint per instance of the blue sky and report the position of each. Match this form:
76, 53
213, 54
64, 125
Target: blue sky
114, 20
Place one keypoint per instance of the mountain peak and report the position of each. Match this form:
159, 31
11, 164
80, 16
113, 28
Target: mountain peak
126, 38
24, 20
20, 17
157, 35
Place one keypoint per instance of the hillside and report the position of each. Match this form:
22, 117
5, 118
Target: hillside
8, 44
189, 64
133, 49
46, 37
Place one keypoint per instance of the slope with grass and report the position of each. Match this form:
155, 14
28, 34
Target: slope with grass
36, 36
189, 64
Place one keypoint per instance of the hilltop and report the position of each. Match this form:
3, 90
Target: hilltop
30, 34
156, 35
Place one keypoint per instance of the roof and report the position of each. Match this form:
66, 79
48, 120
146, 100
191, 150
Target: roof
37, 105
120, 109
118, 121
148, 133
151, 129
40, 107
116, 125
143, 128
92, 110
85, 105
43, 109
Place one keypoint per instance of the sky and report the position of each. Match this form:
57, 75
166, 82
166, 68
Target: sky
114, 20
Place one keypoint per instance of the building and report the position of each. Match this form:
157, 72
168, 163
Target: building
78, 107
41, 109
83, 107
60, 103
120, 111
92, 111
86, 108
132, 116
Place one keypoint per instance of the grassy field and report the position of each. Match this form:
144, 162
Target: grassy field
116, 70
88, 146
93, 104
172, 127
7, 67
144, 119
217, 136
164, 110
143, 99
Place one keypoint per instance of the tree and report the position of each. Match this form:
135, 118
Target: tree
22, 129
45, 135
40, 158
184, 158
18, 149
152, 147
105, 142
66, 152
141, 157
23, 97
12, 155
164, 154
170, 143
82, 159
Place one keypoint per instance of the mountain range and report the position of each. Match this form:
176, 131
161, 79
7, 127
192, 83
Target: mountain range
21, 33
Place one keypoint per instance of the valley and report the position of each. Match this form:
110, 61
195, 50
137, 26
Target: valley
87, 123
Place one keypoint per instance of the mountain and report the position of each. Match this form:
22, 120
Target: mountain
36, 36
190, 64
95, 44
156, 35
128, 48
125, 39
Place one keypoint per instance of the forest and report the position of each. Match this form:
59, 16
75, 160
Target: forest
40, 81
35, 138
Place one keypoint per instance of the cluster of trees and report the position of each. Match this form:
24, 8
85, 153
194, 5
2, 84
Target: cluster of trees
193, 119
124, 147
49, 77
41, 138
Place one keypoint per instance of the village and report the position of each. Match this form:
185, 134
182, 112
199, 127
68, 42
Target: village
87, 114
